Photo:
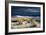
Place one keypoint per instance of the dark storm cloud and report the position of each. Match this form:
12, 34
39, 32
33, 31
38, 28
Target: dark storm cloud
25, 11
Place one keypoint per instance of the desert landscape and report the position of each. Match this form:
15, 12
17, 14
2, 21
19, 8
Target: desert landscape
25, 17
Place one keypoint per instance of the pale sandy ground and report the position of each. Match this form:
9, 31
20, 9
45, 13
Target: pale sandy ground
25, 25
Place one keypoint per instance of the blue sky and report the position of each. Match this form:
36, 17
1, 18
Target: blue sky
25, 11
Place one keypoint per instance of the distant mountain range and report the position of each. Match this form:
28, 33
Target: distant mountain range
18, 16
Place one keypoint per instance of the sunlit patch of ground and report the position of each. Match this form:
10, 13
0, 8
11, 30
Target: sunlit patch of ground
25, 24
